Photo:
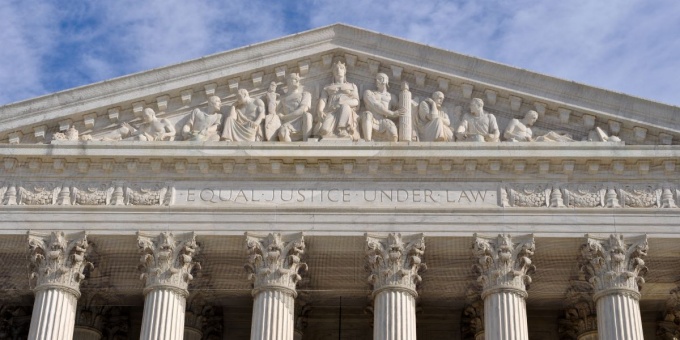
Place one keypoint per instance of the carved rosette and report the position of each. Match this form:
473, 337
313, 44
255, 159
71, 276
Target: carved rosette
275, 261
394, 262
580, 312
167, 260
58, 261
504, 263
615, 265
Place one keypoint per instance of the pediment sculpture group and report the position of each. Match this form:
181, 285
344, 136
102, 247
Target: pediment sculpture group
290, 117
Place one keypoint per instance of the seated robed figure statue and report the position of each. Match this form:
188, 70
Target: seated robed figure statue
432, 122
378, 121
202, 126
477, 125
337, 107
293, 111
244, 123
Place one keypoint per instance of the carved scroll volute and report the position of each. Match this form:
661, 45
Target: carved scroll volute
58, 261
504, 263
275, 261
167, 260
614, 264
394, 261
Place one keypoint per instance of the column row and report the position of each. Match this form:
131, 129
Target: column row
613, 269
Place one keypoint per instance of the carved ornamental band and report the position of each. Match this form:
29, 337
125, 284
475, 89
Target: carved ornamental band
394, 261
167, 260
274, 261
58, 260
504, 263
615, 265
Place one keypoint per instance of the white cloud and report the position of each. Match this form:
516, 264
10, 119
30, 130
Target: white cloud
26, 35
628, 46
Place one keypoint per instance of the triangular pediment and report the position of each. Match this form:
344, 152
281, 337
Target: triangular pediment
100, 109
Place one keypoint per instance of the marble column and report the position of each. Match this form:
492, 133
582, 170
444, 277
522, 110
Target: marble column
57, 264
580, 318
394, 262
166, 264
504, 266
614, 267
274, 262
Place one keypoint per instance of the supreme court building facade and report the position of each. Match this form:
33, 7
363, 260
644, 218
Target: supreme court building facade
339, 183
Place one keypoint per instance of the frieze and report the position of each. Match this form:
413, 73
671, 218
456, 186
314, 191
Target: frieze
338, 194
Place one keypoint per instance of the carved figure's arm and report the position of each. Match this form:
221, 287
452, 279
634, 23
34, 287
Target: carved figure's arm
169, 129
510, 133
494, 132
259, 111
322, 105
461, 131
186, 130
303, 108
373, 104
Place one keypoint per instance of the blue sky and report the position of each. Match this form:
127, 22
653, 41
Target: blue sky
629, 46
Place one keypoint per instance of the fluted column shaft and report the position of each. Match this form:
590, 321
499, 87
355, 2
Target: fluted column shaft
618, 317
54, 315
273, 315
163, 315
394, 315
86, 333
505, 316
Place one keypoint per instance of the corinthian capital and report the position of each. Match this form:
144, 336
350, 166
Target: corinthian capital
614, 264
58, 260
394, 261
504, 263
167, 260
274, 261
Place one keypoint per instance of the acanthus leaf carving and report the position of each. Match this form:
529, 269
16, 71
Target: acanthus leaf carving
614, 264
580, 315
58, 261
275, 261
395, 261
167, 260
504, 262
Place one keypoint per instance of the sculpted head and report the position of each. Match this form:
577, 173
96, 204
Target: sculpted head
438, 98
214, 103
339, 69
530, 117
476, 106
382, 80
148, 114
293, 80
272, 87
242, 96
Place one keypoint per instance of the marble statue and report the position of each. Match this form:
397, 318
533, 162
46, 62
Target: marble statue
432, 123
244, 123
381, 110
520, 130
153, 129
202, 126
293, 111
272, 122
70, 135
337, 106
477, 125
